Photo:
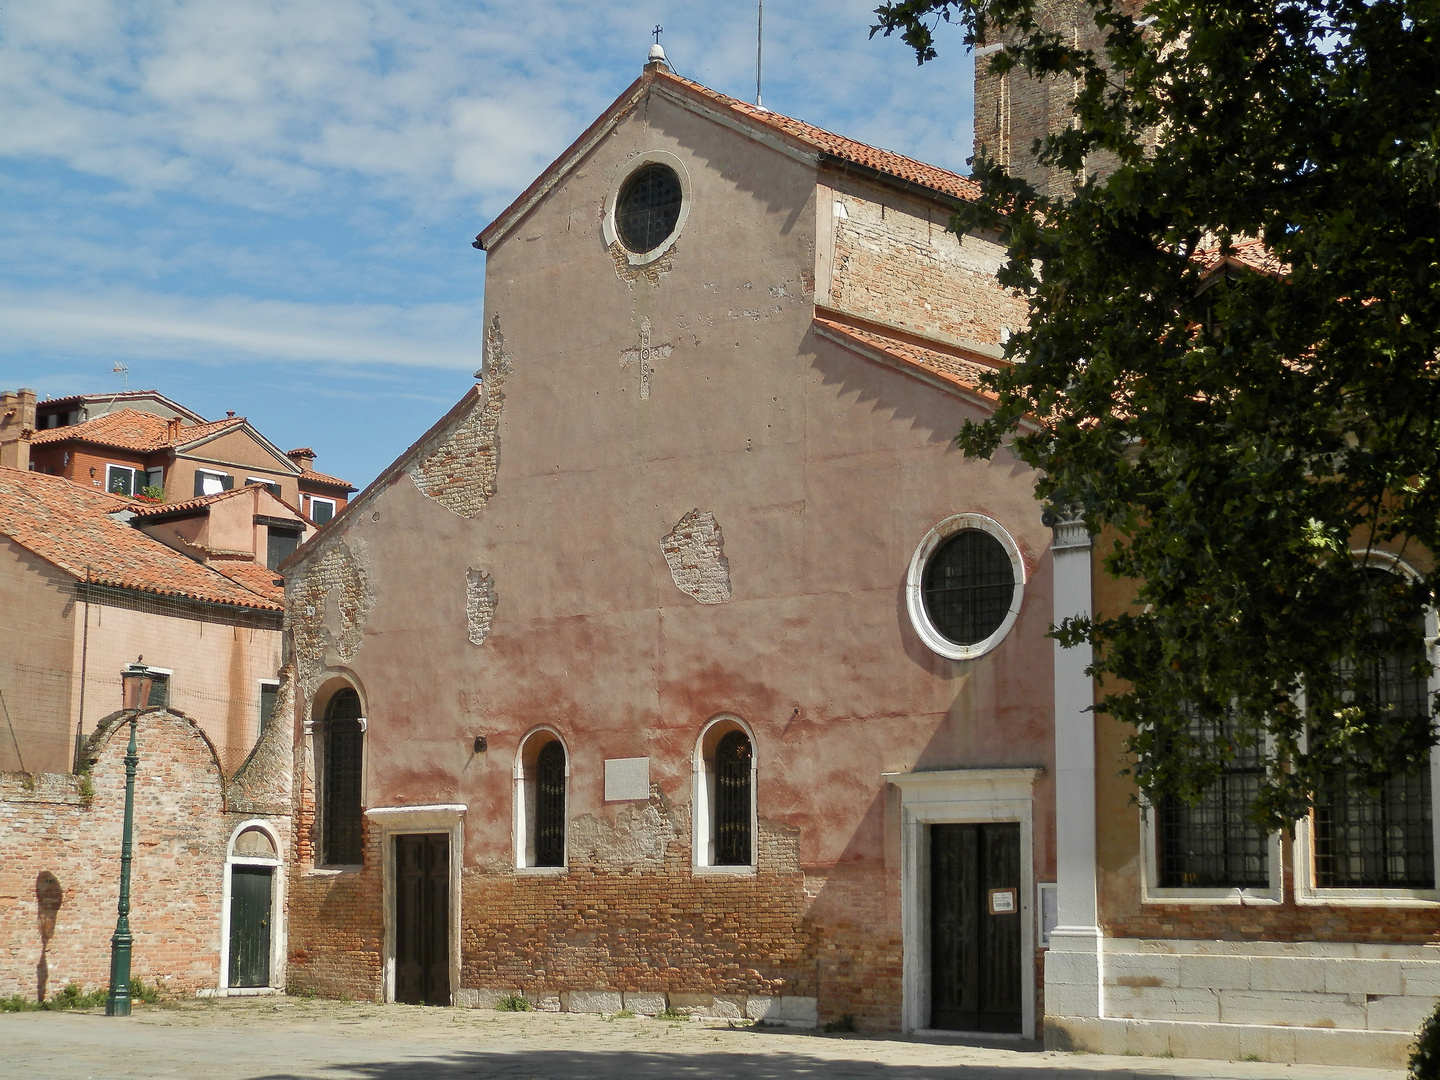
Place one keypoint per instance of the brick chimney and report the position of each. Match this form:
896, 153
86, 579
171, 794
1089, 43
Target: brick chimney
172, 427
17, 424
304, 457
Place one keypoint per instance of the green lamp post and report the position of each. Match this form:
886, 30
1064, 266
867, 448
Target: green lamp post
136, 682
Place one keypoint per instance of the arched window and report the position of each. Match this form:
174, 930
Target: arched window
540, 778
1372, 839
340, 813
725, 796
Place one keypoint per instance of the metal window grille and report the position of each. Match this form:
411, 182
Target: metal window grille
732, 800
550, 805
1380, 839
648, 208
1214, 844
968, 586
344, 747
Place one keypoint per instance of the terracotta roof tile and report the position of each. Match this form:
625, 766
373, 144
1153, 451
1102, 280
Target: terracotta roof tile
145, 510
817, 138
1251, 254
69, 526
313, 477
936, 360
128, 429
255, 577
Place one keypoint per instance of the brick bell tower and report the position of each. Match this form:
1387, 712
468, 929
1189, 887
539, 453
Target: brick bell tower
1014, 110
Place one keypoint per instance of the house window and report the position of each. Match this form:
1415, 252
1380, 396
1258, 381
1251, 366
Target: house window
541, 772
155, 477
1213, 844
268, 485
321, 510
1381, 839
159, 689
344, 756
280, 544
648, 207
212, 483
964, 586
269, 689
120, 480
725, 796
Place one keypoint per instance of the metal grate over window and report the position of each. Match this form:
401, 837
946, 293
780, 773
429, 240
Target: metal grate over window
968, 586
550, 805
344, 748
1366, 839
732, 800
648, 208
1214, 845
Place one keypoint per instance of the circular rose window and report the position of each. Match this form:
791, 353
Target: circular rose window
647, 209
965, 585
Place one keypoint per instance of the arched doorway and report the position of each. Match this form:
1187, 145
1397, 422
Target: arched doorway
252, 905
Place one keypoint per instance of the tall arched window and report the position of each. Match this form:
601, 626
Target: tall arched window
540, 806
340, 813
732, 800
1372, 839
724, 806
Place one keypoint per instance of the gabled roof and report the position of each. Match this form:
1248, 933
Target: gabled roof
123, 395
70, 527
146, 433
795, 137
1244, 254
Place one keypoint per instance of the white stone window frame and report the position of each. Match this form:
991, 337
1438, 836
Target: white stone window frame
317, 500
524, 809
626, 171
393, 821
1306, 891
702, 845
1152, 893
135, 474
960, 797
211, 474
277, 911
331, 684
934, 640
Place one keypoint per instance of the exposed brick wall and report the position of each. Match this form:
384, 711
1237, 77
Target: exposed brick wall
53, 826
896, 263
336, 923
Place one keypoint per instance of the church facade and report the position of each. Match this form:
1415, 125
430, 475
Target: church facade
685, 663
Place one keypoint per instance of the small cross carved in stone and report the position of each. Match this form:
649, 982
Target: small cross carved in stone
645, 356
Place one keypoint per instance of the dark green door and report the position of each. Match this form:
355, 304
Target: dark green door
975, 939
250, 895
422, 919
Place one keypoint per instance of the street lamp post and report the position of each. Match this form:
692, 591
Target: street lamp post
136, 682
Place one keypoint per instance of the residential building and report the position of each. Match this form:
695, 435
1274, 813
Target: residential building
685, 663
140, 440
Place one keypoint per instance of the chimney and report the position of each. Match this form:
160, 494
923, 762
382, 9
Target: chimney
17, 424
173, 429
303, 457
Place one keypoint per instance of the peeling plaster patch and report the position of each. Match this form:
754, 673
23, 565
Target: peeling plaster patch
651, 271
459, 474
638, 839
695, 552
480, 602
326, 607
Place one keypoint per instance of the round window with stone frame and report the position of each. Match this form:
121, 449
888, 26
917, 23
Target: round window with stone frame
965, 585
647, 209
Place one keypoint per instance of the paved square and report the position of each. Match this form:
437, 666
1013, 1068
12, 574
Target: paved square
276, 1038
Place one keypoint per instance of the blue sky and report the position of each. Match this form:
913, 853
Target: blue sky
267, 206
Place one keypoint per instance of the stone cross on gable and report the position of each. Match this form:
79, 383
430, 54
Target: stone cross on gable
645, 356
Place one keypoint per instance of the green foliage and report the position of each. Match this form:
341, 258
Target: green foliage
1425, 1058
86, 789
623, 1014
670, 1014
73, 996
514, 1003
1230, 432
153, 493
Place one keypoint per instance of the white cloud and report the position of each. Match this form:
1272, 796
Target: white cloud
125, 324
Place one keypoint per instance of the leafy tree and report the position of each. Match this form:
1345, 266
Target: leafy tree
1234, 301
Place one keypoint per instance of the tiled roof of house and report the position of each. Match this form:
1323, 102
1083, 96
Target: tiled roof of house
127, 429
148, 510
934, 360
254, 576
123, 395
827, 142
310, 476
1251, 254
68, 525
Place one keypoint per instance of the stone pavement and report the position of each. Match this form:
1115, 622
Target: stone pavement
275, 1038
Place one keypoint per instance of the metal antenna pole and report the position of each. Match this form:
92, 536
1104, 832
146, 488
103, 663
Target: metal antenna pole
759, 45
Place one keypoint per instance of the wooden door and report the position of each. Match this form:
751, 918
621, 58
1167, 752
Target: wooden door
975, 930
251, 890
422, 919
